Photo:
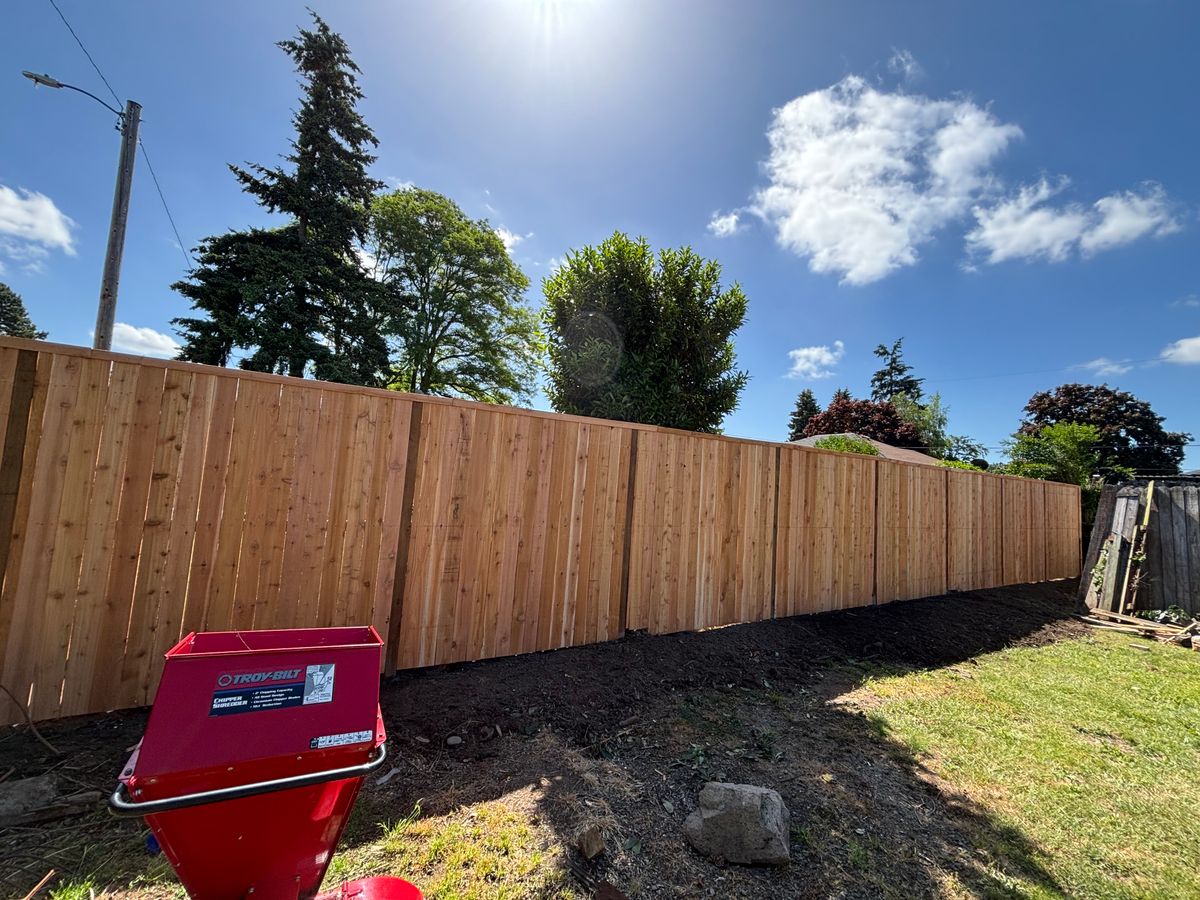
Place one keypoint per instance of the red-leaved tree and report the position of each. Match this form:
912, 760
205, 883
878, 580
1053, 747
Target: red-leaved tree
868, 418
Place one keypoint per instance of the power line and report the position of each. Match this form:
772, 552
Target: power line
85, 52
1075, 368
188, 261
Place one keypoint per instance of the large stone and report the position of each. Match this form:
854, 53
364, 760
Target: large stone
25, 801
740, 823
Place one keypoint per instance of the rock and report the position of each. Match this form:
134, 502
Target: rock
668, 806
453, 741
740, 823
420, 739
590, 842
25, 801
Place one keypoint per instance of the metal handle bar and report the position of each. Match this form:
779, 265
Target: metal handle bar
119, 804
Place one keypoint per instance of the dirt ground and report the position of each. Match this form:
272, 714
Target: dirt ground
624, 735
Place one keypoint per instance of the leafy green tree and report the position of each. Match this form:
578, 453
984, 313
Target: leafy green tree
14, 320
310, 305
930, 419
960, 464
1131, 435
642, 338
894, 378
841, 443
452, 301
1065, 451
806, 407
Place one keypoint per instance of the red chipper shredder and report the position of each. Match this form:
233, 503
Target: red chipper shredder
256, 748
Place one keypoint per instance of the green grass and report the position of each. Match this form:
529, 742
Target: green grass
1088, 750
489, 851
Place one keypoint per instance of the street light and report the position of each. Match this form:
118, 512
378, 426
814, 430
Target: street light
128, 122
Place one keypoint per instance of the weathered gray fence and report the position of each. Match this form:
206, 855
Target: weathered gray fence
1173, 547
1145, 558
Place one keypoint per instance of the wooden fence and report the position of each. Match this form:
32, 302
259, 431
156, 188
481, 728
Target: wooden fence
143, 499
1145, 547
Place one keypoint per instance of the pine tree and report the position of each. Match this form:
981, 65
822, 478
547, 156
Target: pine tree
309, 301
14, 320
840, 394
893, 379
806, 407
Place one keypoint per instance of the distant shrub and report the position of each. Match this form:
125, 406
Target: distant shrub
843, 444
959, 464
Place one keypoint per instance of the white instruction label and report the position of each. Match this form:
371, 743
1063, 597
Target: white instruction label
340, 740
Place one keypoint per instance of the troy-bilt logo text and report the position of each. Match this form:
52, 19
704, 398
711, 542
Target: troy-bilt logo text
227, 679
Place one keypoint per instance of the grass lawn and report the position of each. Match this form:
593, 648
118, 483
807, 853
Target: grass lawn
1089, 749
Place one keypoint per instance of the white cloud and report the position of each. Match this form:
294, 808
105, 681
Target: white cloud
1025, 226
1191, 301
724, 224
398, 184
510, 238
860, 178
1021, 227
143, 341
815, 362
1102, 365
1185, 351
904, 64
31, 226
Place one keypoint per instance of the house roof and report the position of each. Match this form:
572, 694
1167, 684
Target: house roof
887, 451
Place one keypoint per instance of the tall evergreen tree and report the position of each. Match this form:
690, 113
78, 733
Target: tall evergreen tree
14, 320
894, 377
309, 302
806, 407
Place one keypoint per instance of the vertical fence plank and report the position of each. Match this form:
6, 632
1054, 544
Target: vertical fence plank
89, 656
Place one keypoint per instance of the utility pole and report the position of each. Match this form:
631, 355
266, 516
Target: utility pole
129, 120
107, 311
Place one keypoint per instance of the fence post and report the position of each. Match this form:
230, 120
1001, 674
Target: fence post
410, 485
627, 538
947, 492
775, 532
875, 536
13, 454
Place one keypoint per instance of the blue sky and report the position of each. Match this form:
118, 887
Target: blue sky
1010, 187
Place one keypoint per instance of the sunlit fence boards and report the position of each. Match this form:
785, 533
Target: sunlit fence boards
701, 532
825, 540
143, 499
514, 541
975, 533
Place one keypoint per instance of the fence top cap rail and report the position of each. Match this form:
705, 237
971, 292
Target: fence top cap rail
383, 393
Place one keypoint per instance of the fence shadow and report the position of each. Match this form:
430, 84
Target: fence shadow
624, 734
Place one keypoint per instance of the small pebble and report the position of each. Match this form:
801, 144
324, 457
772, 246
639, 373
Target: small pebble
453, 741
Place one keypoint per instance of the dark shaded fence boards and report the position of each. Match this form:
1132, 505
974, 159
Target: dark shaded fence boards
143, 499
